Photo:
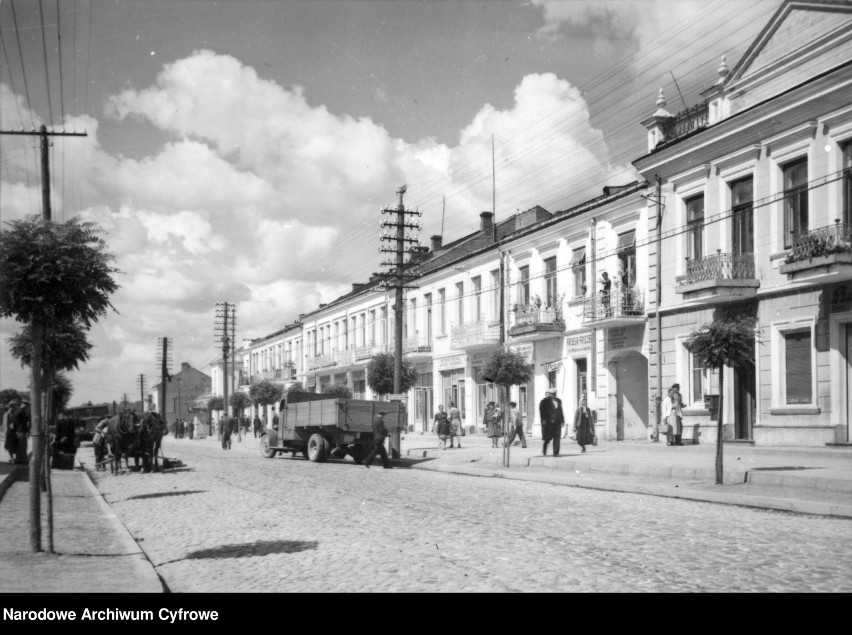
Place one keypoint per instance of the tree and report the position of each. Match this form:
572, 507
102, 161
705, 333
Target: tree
723, 342
265, 392
51, 274
239, 401
215, 404
7, 395
380, 374
506, 369
338, 390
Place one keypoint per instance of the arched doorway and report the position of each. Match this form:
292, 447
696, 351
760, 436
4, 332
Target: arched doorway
628, 401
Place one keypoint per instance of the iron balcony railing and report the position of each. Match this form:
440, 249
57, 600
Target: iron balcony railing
472, 333
344, 357
320, 361
618, 304
535, 315
720, 266
824, 241
687, 121
417, 345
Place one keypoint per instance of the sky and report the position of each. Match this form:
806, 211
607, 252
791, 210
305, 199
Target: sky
241, 151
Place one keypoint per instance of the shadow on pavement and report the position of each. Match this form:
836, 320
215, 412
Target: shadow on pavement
264, 548
164, 494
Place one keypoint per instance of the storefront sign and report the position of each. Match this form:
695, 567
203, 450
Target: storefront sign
552, 366
451, 362
578, 343
616, 338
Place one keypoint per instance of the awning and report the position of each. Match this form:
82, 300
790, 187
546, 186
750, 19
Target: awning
579, 257
627, 239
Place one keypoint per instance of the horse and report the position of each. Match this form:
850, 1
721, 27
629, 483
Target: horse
153, 429
123, 439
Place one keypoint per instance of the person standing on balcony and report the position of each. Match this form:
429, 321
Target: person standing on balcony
606, 287
455, 425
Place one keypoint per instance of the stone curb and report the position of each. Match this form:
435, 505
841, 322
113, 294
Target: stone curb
669, 491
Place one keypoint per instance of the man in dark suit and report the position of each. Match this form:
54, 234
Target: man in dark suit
552, 420
379, 434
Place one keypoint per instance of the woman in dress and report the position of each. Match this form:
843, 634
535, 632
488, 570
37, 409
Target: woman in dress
442, 427
583, 424
455, 425
676, 416
492, 423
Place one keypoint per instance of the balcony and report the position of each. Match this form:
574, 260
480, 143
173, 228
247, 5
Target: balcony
821, 255
534, 322
719, 278
344, 357
475, 335
417, 347
620, 308
272, 375
320, 361
686, 122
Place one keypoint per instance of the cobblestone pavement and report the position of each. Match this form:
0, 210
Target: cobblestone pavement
233, 521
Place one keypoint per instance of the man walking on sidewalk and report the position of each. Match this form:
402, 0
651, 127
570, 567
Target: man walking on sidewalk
516, 420
552, 420
379, 434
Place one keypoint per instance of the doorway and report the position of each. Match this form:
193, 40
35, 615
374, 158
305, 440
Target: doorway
745, 384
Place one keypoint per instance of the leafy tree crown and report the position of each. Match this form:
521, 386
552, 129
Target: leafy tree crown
508, 368
265, 392
724, 342
380, 374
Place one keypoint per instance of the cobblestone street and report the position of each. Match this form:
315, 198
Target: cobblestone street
233, 521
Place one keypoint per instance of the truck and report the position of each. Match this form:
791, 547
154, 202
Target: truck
324, 426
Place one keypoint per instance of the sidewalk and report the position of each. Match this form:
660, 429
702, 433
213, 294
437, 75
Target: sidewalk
92, 544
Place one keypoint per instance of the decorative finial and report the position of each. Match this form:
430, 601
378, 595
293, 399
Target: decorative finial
661, 100
723, 67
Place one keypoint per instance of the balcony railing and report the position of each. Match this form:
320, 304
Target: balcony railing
825, 241
474, 334
619, 304
533, 315
720, 267
417, 345
687, 121
320, 361
345, 357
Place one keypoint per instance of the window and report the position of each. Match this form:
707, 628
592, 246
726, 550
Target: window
477, 298
495, 295
363, 329
582, 378
428, 301
523, 285
372, 328
695, 227
699, 380
797, 370
550, 281
459, 303
847, 186
384, 329
742, 196
578, 268
442, 310
627, 260
795, 200
411, 323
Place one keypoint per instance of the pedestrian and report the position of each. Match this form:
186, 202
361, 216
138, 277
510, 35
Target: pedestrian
494, 425
274, 419
99, 443
244, 422
379, 434
675, 417
456, 429
606, 286
190, 429
516, 421
11, 441
584, 424
442, 427
227, 427
256, 426
552, 420
180, 428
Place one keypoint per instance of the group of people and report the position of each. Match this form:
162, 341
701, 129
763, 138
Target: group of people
448, 425
672, 417
183, 429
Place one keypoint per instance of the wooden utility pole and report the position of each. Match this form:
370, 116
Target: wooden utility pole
40, 464
225, 323
164, 375
399, 284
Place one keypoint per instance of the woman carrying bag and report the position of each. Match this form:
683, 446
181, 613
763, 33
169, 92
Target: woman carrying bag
583, 425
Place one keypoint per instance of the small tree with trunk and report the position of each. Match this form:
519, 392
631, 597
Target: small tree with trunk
265, 392
723, 342
380, 374
215, 404
51, 274
506, 369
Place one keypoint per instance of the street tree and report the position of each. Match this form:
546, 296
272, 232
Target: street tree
51, 274
380, 374
726, 342
506, 369
7, 395
239, 401
215, 404
265, 392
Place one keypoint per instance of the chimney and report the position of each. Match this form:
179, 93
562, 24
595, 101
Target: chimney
418, 253
357, 286
436, 242
487, 222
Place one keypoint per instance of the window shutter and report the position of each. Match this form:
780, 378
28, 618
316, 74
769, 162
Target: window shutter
798, 367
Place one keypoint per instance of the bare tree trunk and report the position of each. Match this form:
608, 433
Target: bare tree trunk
37, 436
719, 447
47, 459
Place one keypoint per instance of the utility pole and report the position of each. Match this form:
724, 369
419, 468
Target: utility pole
401, 239
224, 334
142, 391
164, 360
39, 471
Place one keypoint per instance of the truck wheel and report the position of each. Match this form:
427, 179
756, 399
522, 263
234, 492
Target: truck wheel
317, 448
265, 451
359, 453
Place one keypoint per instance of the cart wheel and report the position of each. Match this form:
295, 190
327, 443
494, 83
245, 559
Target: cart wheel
317, 448
265, 451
